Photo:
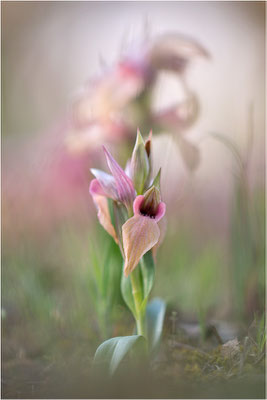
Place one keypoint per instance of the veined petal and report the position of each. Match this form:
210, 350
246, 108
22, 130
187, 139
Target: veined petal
139, 234
107, 183
101, 203
96, 189
124, 184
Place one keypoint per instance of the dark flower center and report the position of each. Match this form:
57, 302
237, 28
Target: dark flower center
148, 212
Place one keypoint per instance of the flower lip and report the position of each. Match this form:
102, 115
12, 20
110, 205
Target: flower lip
139, 210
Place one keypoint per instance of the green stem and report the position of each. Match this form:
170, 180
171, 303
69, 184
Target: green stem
138, 298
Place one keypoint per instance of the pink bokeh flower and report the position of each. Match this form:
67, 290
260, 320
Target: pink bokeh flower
111, 106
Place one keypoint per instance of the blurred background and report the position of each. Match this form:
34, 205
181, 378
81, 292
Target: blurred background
211, 263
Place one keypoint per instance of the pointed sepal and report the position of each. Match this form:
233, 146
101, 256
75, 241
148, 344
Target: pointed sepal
156, 181
101, 204
139, 164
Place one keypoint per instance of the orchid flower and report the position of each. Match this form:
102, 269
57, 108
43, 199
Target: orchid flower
137, 204
113, 104
173, 52
141, 232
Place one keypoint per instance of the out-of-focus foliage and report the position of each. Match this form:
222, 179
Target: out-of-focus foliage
246, 234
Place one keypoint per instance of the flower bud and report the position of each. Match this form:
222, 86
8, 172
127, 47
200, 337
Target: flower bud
139, 164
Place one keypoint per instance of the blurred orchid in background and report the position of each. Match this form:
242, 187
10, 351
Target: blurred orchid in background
111, 106
106, 112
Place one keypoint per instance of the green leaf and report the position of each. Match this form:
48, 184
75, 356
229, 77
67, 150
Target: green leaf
155, 313
261, 334
126, 291
112, 352
148, 274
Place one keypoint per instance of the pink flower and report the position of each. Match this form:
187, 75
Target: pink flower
141, 232
86, 138
131, 220
118, 187
173, 52
112, 105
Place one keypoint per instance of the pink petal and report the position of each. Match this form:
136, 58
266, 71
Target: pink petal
160, 210
139, 235
96, 189
102, 208
137, 204
124, 184
107, 182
